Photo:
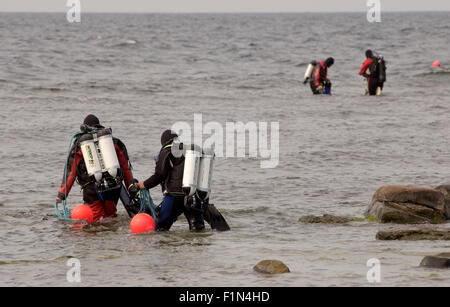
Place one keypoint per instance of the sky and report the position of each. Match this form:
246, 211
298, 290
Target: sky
223, 5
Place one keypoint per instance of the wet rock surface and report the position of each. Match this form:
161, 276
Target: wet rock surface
445, 189
327, 219
436, 262
409, 205
414, 233
271, 267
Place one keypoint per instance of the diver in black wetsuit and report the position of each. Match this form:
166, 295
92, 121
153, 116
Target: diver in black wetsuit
169, 173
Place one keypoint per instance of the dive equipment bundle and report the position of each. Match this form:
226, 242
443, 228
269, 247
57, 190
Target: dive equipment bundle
100, 157
197, 174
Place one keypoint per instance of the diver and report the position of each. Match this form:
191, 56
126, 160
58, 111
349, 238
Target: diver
374, 70
99, 175
169, 174
316, 75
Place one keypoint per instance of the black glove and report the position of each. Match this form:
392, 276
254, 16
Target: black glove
132, 189
61, 196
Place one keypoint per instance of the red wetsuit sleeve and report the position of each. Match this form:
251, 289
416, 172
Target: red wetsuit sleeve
320, 75
127, 174
364, 66
317, 77
65, 188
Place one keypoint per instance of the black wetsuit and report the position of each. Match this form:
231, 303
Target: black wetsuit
169, 173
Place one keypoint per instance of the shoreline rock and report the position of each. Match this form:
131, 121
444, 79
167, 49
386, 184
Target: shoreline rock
327, 219
271, 267
445, 189
414, 233
410, 205
440, 261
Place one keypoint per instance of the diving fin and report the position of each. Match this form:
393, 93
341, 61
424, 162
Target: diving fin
379, 91
214, 218
130, 206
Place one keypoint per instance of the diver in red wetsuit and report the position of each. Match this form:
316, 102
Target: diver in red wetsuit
374, 70
102, 202
319, 82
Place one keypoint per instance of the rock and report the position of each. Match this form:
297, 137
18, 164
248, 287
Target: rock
326, 219
445, 189
435, 262
271, 267
414, 233
408, 205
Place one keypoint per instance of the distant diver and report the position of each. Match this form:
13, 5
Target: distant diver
99, 163
316, 74
374, 70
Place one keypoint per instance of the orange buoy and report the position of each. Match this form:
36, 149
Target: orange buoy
83, 212
142, 222
436, 63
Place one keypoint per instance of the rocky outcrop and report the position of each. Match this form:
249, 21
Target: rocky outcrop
414, 233
445, 189
328, 219
441, 261
271, 267
409, 205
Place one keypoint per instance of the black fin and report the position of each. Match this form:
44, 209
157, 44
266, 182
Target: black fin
127, 202
214, 218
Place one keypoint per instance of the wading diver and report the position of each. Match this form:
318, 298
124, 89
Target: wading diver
184, 175
374, 70
99, 163
317, 76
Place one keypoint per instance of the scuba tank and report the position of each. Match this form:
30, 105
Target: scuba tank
90, 156
100, 157
205, 174
108, 152
309, 71
191, 170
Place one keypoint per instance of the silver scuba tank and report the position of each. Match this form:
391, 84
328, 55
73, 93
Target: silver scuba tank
90, 156
191, 169
205, 174
108, 152
309, 71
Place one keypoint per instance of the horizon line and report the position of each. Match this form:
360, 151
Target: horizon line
228, 12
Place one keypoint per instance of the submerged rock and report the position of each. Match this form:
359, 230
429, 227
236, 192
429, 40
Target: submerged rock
414, 233
408, 205
436, 262
271, 267
327, 219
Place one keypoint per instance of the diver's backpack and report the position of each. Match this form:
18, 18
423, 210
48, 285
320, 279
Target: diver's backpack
378, 69
382, 70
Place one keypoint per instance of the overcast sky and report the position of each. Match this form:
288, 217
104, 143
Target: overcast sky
223, 5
